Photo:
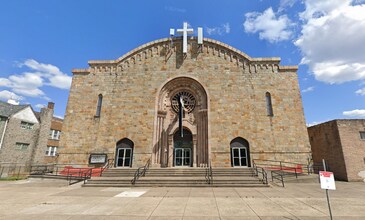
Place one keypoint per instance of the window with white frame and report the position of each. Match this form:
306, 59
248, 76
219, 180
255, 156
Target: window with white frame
51, 151
21, 146
362, 135
54, 134
26, 125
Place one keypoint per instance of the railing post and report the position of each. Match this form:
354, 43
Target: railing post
281, 166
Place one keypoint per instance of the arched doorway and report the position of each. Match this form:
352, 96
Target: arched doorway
194, 119
124, 153
240, 152
183, 147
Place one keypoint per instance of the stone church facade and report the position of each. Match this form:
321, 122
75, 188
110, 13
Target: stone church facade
236, 108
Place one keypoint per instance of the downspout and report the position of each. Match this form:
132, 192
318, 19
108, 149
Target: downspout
3, 134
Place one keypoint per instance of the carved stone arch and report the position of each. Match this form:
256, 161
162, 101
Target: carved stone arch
166, 121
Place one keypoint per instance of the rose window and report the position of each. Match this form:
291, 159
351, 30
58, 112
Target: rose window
188, 100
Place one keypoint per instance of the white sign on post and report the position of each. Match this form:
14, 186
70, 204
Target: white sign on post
327, 180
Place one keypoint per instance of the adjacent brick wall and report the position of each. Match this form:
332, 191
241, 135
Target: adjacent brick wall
339, 143
353, 147
326, 144
46, 116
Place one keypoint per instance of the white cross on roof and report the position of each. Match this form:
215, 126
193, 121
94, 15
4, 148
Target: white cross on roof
185, 31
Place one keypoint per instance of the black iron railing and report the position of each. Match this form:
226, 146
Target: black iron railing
278, 175
281, 169
209, 174
296, 168
108, 164
141, 171
260, 172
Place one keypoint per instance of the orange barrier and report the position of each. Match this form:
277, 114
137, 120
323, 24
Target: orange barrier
79, 172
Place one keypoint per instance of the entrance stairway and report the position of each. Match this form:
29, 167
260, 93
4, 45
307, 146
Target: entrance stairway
177, 177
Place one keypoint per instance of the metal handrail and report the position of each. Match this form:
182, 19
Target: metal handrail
81, 174
108, 164
209, 174
280, 174
285, 166
88, 175
141, 171
260, 170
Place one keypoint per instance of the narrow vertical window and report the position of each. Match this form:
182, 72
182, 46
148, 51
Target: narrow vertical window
269, 105
98, 109
362, 135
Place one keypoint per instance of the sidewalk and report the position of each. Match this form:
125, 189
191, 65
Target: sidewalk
50, 199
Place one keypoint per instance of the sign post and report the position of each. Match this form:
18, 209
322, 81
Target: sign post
327, 182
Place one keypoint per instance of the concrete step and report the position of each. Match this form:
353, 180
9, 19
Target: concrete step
176, 185
178, 177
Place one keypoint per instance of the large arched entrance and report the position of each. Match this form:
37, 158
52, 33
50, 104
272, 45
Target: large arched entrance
183, 147
194, 121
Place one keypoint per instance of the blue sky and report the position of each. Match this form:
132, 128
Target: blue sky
42, 41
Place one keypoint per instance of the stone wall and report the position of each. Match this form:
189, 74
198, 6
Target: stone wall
353, 148
14, 133
39, 156
235, 85
3, 121
326, 144
339, 143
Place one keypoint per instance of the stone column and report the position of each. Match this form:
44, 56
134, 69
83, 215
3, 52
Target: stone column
203, 152
170, 151
194, 156
158, 148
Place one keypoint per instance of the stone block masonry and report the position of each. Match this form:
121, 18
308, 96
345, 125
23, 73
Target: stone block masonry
137, 90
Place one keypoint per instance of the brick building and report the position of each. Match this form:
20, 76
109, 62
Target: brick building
342, 144
25, 134
236, 108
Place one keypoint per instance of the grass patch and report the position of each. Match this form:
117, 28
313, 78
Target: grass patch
13, 178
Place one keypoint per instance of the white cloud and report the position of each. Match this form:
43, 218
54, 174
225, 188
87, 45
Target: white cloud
309, 89
5, 95
40, 106
58, 116
331, 40
360, 91
355, 113
4, 82
220, 30
30, 83
55, 77
269, 26
26, 80
30, 92
284, 4
314, 123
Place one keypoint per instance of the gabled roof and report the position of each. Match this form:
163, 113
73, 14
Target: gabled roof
7, 110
